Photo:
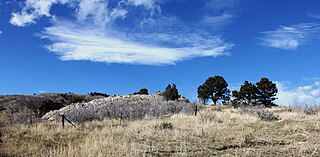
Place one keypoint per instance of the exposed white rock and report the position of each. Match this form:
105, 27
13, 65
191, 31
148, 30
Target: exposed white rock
127, 106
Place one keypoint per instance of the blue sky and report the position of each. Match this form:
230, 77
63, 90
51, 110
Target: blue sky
120, 46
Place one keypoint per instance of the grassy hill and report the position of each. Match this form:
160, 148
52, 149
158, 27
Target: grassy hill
147, 125
213, 132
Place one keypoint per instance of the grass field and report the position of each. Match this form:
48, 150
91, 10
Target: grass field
223, 132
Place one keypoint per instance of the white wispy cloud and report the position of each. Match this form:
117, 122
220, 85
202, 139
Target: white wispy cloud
316, 16
97, 10
311, 78
101, 32
22, 19
72, 43
35, 9
118, 13
291, 37
32, 10
94, 9
221, 4
150, 4
216, 22
220, 13
302, 95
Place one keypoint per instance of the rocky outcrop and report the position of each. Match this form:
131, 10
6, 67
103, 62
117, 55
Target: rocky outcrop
127, 106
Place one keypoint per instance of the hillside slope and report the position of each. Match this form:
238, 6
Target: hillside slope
16, 108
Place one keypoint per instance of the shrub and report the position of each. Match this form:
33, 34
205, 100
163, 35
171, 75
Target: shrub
311, 110
260, 112
98, 94
49, 105
267, 115
15, 115
143, 91
308, 110
251, 110
164, 125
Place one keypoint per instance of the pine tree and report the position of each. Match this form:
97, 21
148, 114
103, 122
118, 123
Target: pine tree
214, 88
171, 92
248, 92
267, 90
263, 93
175, 93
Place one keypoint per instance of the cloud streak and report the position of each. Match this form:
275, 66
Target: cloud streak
72, 43
291, 37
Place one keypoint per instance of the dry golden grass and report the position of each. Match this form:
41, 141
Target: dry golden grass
212, 133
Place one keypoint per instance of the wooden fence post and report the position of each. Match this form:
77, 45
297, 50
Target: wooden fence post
196, 111
120, 117
62, 120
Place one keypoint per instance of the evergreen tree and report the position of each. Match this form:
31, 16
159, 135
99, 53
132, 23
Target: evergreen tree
171, 92
202, 94
263, 93
237, 98
175, 93
247, 95
214, 88
248, 92
267, 92
168, 93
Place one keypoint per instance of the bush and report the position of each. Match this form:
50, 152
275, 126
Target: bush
260, 112
143, 91
267, 115
98, 94
308, 110
311, 110
49, 105
15, 115
164, 125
